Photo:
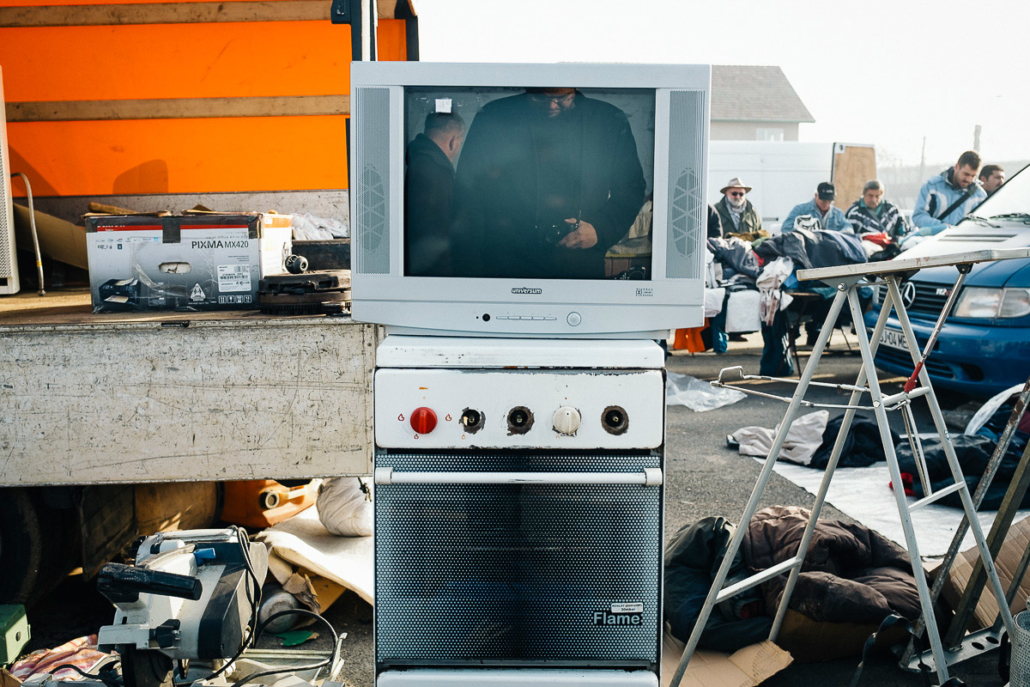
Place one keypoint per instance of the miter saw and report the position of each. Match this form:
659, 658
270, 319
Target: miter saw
190, 595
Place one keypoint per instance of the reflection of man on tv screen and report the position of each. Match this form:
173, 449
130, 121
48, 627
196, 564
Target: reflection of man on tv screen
547, 182
428, 194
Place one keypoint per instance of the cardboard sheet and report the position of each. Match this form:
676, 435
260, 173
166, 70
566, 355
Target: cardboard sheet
1016, 543
302, 541
864, 494
61, 240
748, 667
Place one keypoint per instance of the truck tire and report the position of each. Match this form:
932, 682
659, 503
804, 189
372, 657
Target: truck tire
30, 541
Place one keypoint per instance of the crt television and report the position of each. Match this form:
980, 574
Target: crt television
529, 200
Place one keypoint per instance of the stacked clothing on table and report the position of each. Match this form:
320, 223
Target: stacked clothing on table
807, 249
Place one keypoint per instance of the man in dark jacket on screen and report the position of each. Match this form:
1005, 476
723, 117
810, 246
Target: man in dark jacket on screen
548, 181
428, 195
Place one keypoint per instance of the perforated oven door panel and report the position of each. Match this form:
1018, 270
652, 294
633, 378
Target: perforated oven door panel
517, 574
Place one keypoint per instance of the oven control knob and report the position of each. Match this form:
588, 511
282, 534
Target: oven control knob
423, 420
566, 420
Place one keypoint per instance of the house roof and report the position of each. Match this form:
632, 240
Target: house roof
745, 93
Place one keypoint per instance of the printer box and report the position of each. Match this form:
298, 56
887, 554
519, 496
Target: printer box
193, 261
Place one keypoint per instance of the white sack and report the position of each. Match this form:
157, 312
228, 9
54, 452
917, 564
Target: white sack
344, 508
713, 301
742, 312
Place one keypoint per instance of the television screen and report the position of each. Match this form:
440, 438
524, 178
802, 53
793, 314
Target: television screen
543, 183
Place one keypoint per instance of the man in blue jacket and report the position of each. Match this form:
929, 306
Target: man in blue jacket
946, 198
821, 208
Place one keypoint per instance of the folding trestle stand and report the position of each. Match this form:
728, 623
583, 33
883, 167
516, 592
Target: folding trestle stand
847, 280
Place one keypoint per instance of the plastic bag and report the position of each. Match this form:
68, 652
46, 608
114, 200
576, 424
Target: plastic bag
345, 506
990, 407
684, 390
308, 227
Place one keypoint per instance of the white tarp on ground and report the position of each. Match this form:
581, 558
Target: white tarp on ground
303, 541
864, 494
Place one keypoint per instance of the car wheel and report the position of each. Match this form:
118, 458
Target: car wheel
30, 544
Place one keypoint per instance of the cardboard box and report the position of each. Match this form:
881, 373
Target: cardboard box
194, 261
1016, 542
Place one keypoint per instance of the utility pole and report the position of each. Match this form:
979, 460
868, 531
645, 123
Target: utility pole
976, 138
922, 162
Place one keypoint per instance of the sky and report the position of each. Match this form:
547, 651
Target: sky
887, 73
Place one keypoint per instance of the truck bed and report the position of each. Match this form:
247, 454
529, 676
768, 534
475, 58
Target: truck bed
146, 397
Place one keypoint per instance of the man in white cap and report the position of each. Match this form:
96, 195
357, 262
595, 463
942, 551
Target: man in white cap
737, 213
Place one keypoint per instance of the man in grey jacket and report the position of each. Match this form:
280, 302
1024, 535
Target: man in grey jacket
946, 198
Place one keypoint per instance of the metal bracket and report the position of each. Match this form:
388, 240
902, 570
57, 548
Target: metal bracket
340, 12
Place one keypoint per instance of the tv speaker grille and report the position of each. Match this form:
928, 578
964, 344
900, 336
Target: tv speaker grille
687, 207
372, 182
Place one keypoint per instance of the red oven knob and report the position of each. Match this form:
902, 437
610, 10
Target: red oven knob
423, 420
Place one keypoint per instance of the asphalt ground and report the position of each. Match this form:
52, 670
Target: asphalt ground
704, 478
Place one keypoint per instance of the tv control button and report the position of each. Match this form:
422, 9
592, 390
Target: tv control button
566, 420
574, 319
423, 420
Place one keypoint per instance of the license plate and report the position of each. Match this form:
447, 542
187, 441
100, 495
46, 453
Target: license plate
893, 338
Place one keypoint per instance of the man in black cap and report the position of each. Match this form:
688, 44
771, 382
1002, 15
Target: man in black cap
820, 208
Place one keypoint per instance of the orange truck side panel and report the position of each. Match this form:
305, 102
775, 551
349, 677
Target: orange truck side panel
175, 61
181, 155
132, 62
51, 3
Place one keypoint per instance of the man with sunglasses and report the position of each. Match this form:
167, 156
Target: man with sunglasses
736, 212
547, 182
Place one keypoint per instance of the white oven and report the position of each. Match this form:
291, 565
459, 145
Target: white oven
518, 514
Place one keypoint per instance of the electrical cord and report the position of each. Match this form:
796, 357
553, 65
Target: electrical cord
103, 673
293, 669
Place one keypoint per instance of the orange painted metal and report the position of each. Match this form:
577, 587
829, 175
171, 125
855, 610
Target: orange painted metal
175, 61
181, 155
246, 59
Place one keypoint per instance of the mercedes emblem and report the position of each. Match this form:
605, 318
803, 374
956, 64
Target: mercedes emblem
908, 294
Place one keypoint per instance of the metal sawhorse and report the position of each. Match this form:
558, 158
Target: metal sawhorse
846, 280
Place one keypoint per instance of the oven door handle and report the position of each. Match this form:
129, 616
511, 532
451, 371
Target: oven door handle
647, 477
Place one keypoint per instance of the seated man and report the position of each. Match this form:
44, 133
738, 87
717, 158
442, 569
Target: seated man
821, 208
872, 214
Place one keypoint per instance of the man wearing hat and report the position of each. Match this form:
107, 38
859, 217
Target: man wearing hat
736, 212
822, 209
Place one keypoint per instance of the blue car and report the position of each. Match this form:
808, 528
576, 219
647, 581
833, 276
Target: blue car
984, 347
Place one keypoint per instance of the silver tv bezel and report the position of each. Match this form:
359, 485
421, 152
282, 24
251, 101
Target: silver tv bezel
452, 306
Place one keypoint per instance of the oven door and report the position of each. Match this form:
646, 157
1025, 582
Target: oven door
555, 564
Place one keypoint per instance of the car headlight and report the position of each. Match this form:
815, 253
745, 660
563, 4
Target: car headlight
986, 303
978, 302
1015, 303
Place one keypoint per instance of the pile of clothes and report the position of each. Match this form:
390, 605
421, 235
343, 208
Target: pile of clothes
851, 575
810, 439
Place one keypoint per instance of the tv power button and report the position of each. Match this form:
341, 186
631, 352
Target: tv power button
574, 319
